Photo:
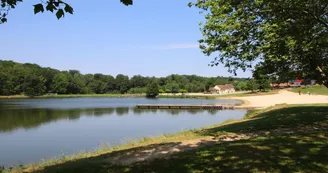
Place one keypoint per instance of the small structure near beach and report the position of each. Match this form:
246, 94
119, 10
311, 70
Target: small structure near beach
223, 89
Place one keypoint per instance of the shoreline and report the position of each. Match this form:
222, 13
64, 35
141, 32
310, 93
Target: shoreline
184, 140
182, 136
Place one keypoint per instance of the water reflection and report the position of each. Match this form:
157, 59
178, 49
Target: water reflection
11, 118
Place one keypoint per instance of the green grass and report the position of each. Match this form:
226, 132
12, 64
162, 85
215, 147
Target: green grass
318, 90
301, 151
188, 96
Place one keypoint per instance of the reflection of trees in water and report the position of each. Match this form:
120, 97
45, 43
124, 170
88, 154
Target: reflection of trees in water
11, 119
120, 111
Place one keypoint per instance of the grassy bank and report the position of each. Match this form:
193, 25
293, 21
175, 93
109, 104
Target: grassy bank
188, 96
318, 90
299, 143
200, 96
215, 96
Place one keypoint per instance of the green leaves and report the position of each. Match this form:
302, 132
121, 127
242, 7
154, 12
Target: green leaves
285, 35
152, 89
38, 8
60, 13
58, 6
3, 20
68, 9
127, 2
51, 7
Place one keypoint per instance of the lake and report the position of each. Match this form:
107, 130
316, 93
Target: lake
34, 129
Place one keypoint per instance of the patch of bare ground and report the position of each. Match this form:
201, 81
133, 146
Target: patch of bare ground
165, 150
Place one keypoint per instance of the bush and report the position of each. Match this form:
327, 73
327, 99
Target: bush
114, 92
137, 90
182, 91
152, 89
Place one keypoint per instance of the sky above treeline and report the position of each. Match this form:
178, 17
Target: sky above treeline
149, 38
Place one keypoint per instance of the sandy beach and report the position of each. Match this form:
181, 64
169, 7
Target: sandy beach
282, 97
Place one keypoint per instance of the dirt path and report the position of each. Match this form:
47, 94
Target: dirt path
281, 98
168, 149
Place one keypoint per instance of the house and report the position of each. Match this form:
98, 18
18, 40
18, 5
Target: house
295, 83
280, 85
222, 89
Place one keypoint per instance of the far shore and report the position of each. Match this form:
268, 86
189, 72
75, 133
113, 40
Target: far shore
163, 95
258, 100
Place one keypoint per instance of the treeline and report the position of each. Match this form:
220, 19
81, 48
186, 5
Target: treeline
33, 80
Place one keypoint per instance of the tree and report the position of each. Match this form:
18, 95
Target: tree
60, 84
182, 91
5, 84
34, 85
252, 85
75, 84
122, 83
13, 80
263, 82
152, 90
138, 81
209, 83
55, 6
172, 87
98, 86
283, 36
241, 86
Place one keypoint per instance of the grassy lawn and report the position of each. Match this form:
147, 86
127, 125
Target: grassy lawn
302, 148
319, 90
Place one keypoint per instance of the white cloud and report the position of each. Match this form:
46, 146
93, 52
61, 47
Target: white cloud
177, 46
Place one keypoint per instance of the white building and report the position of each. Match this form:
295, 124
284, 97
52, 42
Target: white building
223, 89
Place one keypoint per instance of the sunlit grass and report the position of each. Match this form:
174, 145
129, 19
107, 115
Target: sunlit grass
318, 90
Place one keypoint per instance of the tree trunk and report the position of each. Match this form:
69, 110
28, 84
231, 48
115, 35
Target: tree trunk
324, 77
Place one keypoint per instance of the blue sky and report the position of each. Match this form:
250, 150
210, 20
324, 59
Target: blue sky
149, 38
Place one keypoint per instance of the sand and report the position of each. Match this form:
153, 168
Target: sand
282, 97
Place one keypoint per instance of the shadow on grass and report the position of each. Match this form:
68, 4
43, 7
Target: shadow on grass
290, 117
305, 151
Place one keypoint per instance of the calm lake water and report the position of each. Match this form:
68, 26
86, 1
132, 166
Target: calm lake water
34, 129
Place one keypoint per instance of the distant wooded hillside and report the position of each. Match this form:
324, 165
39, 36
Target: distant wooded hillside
33, 80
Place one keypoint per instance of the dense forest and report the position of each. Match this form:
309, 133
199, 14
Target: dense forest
33, 80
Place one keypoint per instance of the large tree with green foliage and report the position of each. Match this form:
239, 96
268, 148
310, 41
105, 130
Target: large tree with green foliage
242, 86
152, 89
284, 36
252, 85
122, 83
59, 7
60, 84
34, 85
